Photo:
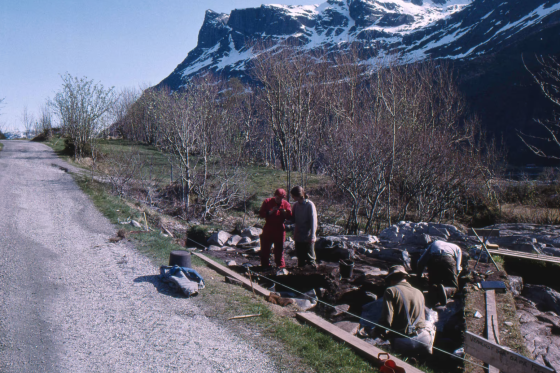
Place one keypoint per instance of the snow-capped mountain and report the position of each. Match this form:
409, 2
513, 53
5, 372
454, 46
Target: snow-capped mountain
484, 40
419, 29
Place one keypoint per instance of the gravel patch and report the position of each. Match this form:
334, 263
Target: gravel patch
72, 302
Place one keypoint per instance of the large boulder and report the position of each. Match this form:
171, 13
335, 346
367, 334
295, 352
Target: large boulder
395, 256
219, 239
545, 298
334, 248
251, 232
234, 240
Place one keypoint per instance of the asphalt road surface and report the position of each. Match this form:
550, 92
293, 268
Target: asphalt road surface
72, 302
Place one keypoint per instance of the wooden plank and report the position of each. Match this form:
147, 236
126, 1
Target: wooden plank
492, 331
487, 232
364, 349
228, 272
522, 255
501, 358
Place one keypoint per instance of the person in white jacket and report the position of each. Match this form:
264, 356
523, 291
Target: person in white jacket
304, 216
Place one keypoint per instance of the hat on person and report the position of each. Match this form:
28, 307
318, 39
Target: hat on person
280, 193
396, 269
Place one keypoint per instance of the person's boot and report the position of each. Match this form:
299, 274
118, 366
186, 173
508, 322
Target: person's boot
445, 293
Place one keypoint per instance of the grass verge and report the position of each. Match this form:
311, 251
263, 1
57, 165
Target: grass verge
1, 146
308, 349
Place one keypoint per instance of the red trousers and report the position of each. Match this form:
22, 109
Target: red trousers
266, 243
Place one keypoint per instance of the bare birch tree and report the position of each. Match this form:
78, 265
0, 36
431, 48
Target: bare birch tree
82, 107
548, 80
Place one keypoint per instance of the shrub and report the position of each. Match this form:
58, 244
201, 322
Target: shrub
70, 148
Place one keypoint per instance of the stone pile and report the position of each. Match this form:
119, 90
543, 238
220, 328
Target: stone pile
224, 241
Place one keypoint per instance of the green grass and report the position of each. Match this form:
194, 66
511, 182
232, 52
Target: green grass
1, 146
498, 259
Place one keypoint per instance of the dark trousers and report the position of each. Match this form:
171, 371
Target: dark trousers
266, 244
305, 252
443, 270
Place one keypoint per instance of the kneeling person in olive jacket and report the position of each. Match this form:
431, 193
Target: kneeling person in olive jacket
403, 312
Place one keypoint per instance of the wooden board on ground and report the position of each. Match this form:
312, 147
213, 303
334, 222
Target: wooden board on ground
364, 349
228, 272
501, 358
492, 331
524, 255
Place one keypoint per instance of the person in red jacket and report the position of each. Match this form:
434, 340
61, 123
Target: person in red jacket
274, 210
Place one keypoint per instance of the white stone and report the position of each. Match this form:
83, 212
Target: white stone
252, 232
234, 240
220, 238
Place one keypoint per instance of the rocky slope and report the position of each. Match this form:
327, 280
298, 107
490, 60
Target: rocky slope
484, 40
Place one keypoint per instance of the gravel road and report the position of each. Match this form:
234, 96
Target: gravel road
72, 302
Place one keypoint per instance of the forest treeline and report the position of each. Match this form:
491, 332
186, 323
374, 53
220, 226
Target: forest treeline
396, 141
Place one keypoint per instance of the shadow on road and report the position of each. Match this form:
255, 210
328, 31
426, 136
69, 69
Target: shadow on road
160, 286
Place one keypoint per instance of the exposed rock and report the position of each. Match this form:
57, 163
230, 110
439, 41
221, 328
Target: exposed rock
334, 248
544, 297
220, 238
304, 304
252, 232
231, 263
348, 326
361, 239
420, 233
512, 234
538, 330
244, 241
234, 240
551, 251
340, 309
395, 256
216, 248
289, 247
371, 312
135, 224
254, 250
515, 285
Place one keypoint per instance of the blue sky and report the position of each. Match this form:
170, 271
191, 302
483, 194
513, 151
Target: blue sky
121, 43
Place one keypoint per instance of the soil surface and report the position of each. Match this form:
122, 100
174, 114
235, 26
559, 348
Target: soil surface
72, 302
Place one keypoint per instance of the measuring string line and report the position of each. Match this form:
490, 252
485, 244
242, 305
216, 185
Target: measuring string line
359, 317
